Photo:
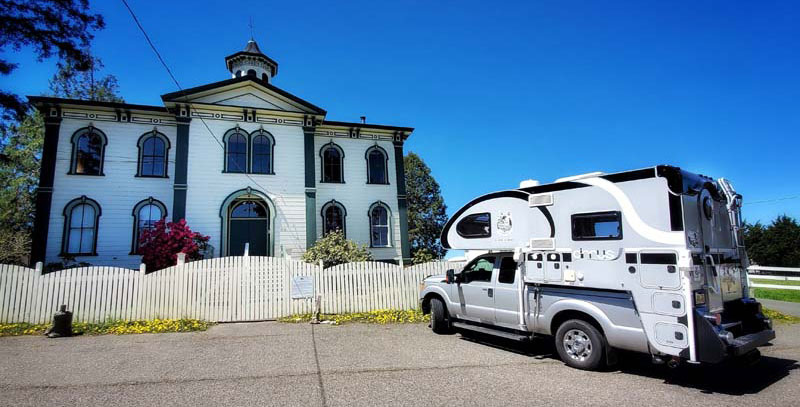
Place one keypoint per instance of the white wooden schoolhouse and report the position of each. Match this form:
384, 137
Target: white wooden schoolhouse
242, 160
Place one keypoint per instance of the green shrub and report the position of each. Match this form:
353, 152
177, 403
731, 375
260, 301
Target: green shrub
334, 249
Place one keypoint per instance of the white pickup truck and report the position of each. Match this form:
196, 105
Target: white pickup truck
650, 261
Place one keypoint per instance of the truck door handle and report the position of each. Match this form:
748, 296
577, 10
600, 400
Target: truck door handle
489, 292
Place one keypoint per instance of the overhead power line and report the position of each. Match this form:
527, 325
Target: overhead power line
191, 107
785, 198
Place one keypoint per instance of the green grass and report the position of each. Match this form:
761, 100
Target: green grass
776, 294
775, 282
776, 316
384, 316
111, 327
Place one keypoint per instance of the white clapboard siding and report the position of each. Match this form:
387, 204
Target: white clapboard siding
222, 289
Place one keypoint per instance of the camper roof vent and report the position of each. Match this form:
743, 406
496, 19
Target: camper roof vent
581, 176
529, 183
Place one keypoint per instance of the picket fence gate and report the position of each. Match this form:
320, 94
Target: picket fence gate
225, 289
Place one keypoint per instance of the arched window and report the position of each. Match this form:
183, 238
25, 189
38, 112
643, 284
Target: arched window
264, 77
333, 218
236, 151
248, 210
251, 72
379, 230
239, 73
145, 215
263, 147
332, 158
377, 162
81, 216
88, 148
153, 148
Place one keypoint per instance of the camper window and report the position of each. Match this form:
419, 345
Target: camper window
475, 226
659, 258
597, 226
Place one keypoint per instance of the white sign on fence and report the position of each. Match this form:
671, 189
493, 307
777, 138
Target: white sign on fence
302, 287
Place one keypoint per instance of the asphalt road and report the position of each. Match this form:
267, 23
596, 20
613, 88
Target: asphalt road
280, 364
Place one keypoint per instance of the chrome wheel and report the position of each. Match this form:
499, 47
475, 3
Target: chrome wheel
577, 345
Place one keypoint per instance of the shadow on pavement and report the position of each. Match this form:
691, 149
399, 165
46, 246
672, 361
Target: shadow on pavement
731, 378
538, 348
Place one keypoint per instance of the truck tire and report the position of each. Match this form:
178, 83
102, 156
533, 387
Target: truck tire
580, 345
440, 324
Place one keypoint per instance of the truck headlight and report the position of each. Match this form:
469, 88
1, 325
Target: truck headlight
726, 336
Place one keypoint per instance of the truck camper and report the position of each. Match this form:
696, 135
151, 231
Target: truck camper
650, 260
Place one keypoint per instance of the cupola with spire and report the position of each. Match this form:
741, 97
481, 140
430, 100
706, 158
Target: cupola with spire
252, 62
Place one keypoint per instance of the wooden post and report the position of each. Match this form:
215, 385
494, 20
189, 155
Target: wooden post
181, 259
317, 310
142, 268
39, 267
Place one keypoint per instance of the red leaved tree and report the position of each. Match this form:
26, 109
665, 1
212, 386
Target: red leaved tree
160, 245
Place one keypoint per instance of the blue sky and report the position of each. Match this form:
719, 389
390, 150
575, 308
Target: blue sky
501, 92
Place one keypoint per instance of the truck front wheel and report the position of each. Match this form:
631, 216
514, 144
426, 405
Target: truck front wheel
580, 344
440, 324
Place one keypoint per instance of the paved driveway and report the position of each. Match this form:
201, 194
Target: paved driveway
279, 364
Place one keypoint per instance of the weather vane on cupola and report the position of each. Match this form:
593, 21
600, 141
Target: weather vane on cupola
251, 61
252, 37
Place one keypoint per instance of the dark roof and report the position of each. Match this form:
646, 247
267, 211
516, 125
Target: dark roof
173, 96
252, 47
366, 125
37, 100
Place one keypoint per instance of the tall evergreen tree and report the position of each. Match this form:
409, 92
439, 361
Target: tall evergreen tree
73, 83
776, 245
60, 28
426, 210
20, 155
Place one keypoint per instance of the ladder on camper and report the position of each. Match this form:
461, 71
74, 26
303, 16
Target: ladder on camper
735, 214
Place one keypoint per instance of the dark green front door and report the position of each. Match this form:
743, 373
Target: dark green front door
253, 231
248, 223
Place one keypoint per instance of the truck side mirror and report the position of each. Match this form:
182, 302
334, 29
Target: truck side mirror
450, 276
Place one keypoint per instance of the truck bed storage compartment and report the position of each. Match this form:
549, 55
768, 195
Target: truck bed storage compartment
668, 304
553, 267
534, 267
659, 270
673, 335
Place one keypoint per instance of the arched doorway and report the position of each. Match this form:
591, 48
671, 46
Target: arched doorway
248, 216
248, 222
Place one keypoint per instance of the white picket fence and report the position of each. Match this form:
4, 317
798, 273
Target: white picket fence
224, 289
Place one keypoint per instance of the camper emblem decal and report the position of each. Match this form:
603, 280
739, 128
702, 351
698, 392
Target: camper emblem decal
504, 223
